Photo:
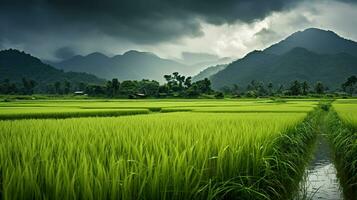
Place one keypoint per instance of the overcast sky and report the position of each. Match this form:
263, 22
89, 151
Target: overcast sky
58, 29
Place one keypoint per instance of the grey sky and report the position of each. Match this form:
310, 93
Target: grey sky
58, 29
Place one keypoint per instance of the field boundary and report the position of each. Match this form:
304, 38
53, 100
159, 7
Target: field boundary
342, 138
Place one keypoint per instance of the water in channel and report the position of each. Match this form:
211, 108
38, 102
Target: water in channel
321, 182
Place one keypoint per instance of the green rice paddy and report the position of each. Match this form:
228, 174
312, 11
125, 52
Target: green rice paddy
343, 137
175, 149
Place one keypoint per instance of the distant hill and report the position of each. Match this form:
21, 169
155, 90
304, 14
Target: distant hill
135, 65
208, 72
311, 55
15, 65
132, 65
315, 40
201, 66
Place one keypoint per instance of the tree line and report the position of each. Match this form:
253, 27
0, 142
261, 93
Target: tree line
26, 87
295, 88
175, 85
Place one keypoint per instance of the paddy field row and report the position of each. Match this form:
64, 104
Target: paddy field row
199, 149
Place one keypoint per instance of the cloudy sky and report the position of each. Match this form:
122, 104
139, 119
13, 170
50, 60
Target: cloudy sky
58, 29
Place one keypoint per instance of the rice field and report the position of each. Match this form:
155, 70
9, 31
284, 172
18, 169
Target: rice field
347, 111
343, 136
80, 108
176, 149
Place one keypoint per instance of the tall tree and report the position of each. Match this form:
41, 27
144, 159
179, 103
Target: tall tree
67, 87
305, 87
115, 86
280, 89
58, 87
28, 86
109, 88
204, 86
350, 85
319, 88
5, 87
149, 88
270, 89
181, 80
188, 82
295, 88
129, 87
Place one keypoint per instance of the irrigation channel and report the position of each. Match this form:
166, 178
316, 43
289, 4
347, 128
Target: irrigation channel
320, 181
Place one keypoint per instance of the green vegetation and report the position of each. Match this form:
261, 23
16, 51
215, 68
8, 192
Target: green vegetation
208, 72
85, 108
17, 77
350, 85
21, 73
132, 65
58, 113
256, 151
179, 149
311, 55
343, 136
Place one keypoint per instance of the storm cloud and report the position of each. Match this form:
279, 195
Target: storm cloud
140, 21
65, 53
61, 28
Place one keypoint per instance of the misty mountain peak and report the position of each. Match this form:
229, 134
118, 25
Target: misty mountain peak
314, 34
138, 53
315, 40
318, 31
96, 55
312, 55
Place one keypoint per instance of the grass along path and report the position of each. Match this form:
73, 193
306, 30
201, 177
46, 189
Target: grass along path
342, 122
320, 181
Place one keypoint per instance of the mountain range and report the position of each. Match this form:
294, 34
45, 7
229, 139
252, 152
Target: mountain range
208, 72
15, 65
311, 55
135, 65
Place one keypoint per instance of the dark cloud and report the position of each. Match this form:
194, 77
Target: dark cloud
64, 53
139, 21
349, 1
47, 25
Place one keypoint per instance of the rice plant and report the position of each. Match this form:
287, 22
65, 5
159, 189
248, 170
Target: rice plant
343, 136
158, 156
58, 113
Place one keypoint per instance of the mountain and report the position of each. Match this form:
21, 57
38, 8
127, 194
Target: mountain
302, 56
15, 65
208, 72
199, 67
132, 65
315, 40
94, 63
135, 65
